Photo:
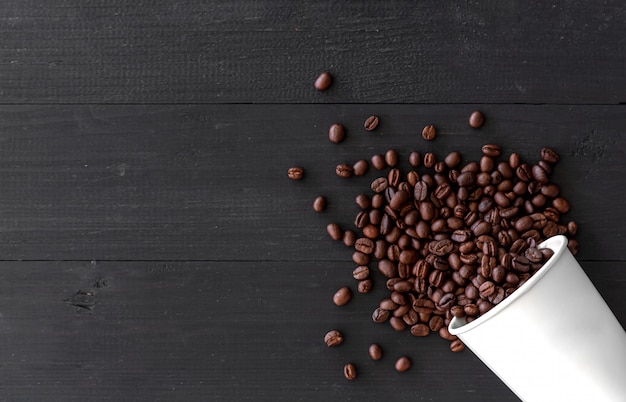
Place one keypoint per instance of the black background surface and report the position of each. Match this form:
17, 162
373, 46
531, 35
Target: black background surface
152, 246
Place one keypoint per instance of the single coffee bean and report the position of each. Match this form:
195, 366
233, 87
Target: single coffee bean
429, 160
379, 184
344, 170
295, 173
360, 258
349, 371
375, 352
476, 119
492, 150
349, 238
415, 159
539, 174
342, 296
397, 323
549, 155
487, 289
380, 315
323, 81
561, 205
391, 157
403, 364
371, 123
319, 204
457, 345
429, 132
572, 228
398, 199
378, 161
361, 272
336, 133
364, 286
333, 338
334, 231
360, 167
364, 245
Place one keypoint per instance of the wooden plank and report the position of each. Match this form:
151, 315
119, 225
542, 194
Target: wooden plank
270, 51
221, 331
208, 182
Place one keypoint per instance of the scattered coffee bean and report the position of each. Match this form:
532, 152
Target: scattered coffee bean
349, 371
295, 173
375, 352
378, 161
336, 133
391, 157
323, 81
429, 132
360, 167
333, 338
403, 364
476, 119
457, 345
371, 123
415, 159
342, 296
344, 170
319, 204
334, 231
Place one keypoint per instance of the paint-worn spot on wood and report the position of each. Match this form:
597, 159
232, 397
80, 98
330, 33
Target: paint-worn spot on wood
84, 300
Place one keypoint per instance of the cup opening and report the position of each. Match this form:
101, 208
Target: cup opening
558, 244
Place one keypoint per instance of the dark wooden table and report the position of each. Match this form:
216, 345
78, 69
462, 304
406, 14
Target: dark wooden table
152, 246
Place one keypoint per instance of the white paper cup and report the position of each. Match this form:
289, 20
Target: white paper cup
555, 338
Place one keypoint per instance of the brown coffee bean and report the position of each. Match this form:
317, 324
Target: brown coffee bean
549, 155
429, 160
361, 272
380, 315
487, 289
375, 352
342, 296
378, 161
492, 150
364, 286
323, 81
349, 371
391, 157
457, 345
364, 245
402, 364
476, 119
371, 123
295, 173
344, 170
379, 184
415, 159
334, 231
349, 238
336, 133
319, 204
429, 132
360, 167
333, 338
561, 205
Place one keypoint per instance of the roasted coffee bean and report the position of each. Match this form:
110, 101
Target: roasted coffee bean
349, 371
453, 159
429, 132
380, 315
387, 268
420, 330
363, 201
295, 173
549, 155
371, 123
487, 289
466, 179
360, 167
344, 170
323, 81
342, 296
336, 133
492, 150
364, 245
398, 199
457, 346
334, 231
420, 191
520, 263
572, 228
333, 338
319, 204
402, 364
379, 185
364, 286
360, 258
361, 272
573, 246
539, 174
476, 119
375, 352
349, 238
391, 157
378, 161
561, 205
415, 159
397, 323
533, 254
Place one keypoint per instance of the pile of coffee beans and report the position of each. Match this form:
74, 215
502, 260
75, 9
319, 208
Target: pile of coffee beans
452, 238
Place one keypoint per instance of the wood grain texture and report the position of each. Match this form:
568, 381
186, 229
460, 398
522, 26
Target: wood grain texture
196, 51
209, 182
164, 331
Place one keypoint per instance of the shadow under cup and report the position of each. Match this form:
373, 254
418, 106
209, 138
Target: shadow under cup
554, 338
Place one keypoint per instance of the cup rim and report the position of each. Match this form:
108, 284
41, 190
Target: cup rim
558, 244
